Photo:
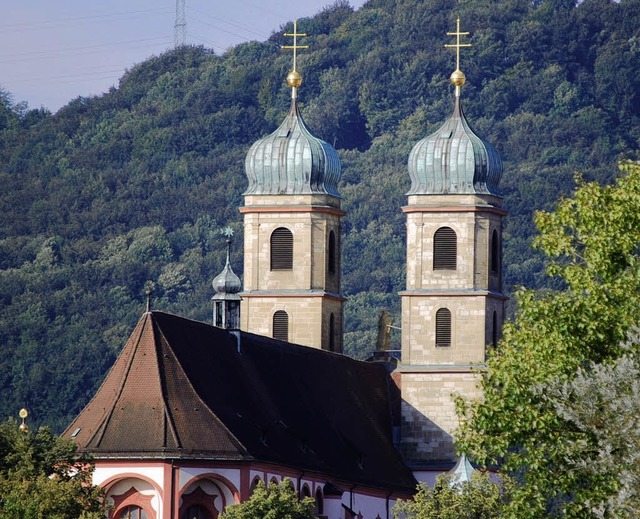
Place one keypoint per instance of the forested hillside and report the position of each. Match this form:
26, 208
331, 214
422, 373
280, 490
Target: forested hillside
116, 192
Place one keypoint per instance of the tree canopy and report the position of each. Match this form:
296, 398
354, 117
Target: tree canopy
131, 187
41, 476
277, 501
592, 241
479, 498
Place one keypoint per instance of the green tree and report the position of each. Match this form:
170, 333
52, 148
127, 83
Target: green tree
476, 499
603, 403
42, 477
592, 242
278, 501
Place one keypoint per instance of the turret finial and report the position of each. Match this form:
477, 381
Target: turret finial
294, 79
149, 293
457, 76
23, 426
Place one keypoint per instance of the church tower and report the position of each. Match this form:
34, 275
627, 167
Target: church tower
453, 306
292, 228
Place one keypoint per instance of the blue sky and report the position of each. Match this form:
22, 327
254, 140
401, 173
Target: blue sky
52, 51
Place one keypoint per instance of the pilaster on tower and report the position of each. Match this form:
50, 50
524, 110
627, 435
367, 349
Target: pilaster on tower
292, 233
453, 306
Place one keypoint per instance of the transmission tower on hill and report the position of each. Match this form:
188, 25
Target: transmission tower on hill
180, 28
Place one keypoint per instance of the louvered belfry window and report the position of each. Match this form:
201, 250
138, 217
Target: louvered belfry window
495, 253
332, 253
281, 249
445, 249
443, 327
281, 325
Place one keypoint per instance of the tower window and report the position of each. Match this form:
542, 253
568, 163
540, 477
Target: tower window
495, 252
445, 249
281, 249
319, 502
332, 253
443, 327
281, 325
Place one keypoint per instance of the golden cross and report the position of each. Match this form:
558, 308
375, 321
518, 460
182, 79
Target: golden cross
457, 44
295, 45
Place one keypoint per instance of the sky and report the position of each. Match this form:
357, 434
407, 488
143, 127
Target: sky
52, 51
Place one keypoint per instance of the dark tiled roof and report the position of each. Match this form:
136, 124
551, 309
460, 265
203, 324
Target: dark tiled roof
181, 389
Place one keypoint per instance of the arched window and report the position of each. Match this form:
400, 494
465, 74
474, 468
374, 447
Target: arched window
332, 253
445, 249
332, 333
495, 253
443, 327
305, 492
196, 512
319, 502
132, 512
254, 484
281, 325
281, 249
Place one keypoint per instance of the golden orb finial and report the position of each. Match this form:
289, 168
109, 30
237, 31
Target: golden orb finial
23, 414
294, 79
457, 78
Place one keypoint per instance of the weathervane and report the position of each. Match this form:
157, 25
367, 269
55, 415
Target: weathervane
457, 77
227, 231
294, 79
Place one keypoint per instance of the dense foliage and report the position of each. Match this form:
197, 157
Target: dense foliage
593, 242
278, 501
602, 403
41, 476
479, 498
113, 192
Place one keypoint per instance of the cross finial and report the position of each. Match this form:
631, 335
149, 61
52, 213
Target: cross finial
149, 293
294, 79
457, 77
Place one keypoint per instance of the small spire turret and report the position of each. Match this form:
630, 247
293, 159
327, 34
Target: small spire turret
226, 301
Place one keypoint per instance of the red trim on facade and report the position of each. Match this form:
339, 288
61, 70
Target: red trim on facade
201, 498
453, 209
292, 209
132, 497
271, 294
216, 478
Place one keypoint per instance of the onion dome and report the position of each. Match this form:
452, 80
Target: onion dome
227, 282
454, 160
292, 161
